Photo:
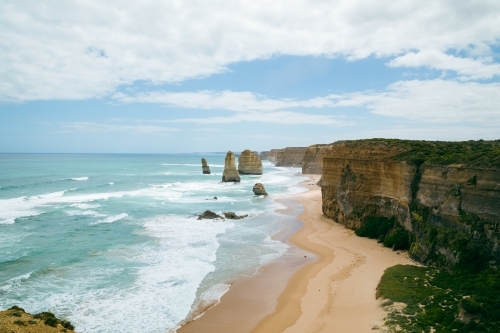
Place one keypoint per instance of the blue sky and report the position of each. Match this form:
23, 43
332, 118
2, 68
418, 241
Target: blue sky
176, 76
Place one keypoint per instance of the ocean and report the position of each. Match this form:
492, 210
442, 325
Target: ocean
112, 242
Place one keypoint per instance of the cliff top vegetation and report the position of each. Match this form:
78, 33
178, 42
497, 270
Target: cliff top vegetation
480, 154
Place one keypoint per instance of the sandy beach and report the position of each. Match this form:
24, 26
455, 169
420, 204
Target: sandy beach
329, 286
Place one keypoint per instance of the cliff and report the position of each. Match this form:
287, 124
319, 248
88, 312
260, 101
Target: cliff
230, 173
16, 320
273, 154
204, 166
439, 199
312, 162
249, 163
264, 155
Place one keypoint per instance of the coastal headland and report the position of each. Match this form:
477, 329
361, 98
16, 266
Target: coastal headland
331, 282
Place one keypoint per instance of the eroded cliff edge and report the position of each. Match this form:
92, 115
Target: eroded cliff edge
440, 199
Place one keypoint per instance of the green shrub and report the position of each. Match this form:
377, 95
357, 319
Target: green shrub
471, 306
20, 323
67, 324
398, 239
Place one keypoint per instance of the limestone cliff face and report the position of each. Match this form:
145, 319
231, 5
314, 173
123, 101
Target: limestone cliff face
204, 166
451, 212
287, 157
273, 154
264, 155
230, 173
313, 158
249, 163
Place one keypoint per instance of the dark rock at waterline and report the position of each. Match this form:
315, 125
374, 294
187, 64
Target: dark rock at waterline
258, 189
209, 215
233, 216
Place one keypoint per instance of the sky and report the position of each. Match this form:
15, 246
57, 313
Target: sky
168, 76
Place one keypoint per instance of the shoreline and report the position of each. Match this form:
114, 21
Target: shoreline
333, 292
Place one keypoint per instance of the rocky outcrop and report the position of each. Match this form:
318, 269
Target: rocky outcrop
249, 163
258, 189
264, 155
16, 320
230, 173
204, 166
234, 216
209, 215
449, 212
312, 162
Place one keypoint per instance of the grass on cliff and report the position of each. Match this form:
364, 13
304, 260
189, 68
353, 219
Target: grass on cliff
434, 298
481, 154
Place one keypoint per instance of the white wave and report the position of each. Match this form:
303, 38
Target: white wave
84, 213
14, 282
278, 249
85, 206
112, 219
79, 178
111, 183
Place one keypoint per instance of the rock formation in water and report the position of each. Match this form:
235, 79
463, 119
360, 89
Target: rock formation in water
313, 158
258, 189
441, 199
234, 216
287, 157
16, 320
230, 172
204, 166
209, 215
264, 155
249, 163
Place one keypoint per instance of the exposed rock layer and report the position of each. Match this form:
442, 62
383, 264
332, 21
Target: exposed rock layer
452, 212
230, 173
258, 189
204, 166
249, 163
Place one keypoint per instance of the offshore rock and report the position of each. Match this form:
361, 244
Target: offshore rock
230, 173
249, 163
258, 189
209, 215
264, 155
204, 166
448, 210
233, 216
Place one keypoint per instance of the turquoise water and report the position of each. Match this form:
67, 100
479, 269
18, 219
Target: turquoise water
112, 243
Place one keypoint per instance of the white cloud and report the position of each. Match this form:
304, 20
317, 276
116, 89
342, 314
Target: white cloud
431, 101
86, 49
468, 68
98, 127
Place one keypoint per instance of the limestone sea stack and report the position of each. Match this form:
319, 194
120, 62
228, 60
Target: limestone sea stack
230, 172
258, 189
264, 155
249, 163
205, 167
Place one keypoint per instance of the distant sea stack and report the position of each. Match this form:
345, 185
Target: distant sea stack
249, 163
230, 172
205, 167
264, 155
258, 189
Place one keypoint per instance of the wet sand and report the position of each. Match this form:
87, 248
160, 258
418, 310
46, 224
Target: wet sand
332, 289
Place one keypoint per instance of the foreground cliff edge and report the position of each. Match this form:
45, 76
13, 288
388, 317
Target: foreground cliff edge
16, 320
